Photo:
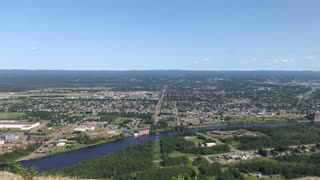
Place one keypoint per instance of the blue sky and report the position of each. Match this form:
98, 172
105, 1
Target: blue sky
164, 34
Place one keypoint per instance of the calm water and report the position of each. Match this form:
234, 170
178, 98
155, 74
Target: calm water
70, 158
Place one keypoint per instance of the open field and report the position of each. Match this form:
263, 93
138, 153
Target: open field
195, 139
175, 154
10, 101
156, 151
10, 115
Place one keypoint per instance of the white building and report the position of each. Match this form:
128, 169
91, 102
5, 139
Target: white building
60, 144
83, 129
210, 144
80, 129
135, 134
22, 125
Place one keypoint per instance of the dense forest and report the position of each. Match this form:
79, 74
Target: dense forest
277, 137
132, 159
136, 163
292, 166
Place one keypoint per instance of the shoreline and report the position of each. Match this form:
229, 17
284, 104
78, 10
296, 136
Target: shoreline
152, 132
68, 150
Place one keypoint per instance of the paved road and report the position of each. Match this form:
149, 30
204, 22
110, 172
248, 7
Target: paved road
158, 108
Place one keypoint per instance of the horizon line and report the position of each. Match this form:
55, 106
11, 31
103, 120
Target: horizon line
154, 70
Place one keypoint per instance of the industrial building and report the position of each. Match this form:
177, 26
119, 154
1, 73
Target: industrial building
142, 132
83, 129
317, 116
11, 137
22, 125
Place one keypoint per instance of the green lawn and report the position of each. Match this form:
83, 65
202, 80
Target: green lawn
172, 123
234, 144
46, 130
156, 151
178, 154
195, 139
117, 121
113, 119
10, 115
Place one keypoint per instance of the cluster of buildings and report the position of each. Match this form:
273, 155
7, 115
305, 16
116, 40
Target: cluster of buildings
144, 95
85, 105
212, 102
11, 141
8, 137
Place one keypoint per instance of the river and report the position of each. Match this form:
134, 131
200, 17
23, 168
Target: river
73, 157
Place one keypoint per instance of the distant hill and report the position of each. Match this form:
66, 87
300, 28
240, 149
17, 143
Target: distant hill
22, 80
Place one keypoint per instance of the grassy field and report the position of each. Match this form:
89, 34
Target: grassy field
172, 123
10, 101
117, 121
156, 151
77, 94
48, 130
113, 119
234, 144
178, 154
195, 139
10, 115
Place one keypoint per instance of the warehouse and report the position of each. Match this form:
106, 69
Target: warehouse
22, 125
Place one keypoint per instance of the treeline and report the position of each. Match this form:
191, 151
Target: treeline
45, 115
163, 173
277, 137
173, 161
207, 171
288, 166
136, 162
18, 153
178, 143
